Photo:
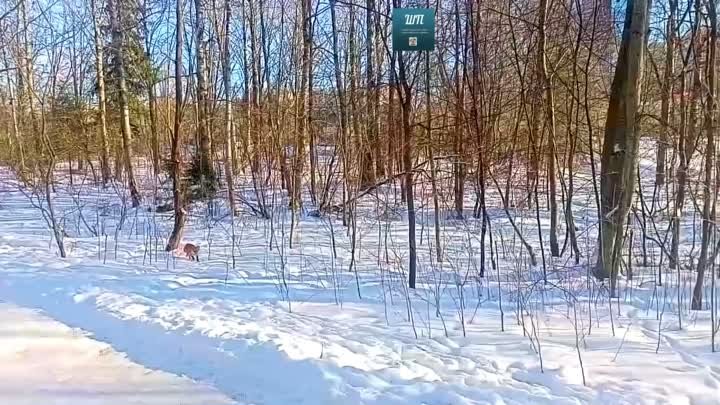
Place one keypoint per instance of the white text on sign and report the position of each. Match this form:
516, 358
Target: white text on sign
414, 19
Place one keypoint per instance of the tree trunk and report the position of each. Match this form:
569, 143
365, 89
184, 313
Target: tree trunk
26, 79
302, 114
391, 120
102, 109
620, 146
26, 84
374, 89
342, 104
708, 194
407, 156
480, 123
358, 139
667, 90
686, 149
458, 133
311, 130
152, 98
369, 141
431, 157
16, 134
118, 36
207, 170
548, 107
229, 141
47, 184
178, 187
254, 93
154, 139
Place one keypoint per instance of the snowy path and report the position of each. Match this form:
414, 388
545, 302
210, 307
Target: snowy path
45, 362
240, 338
257, 352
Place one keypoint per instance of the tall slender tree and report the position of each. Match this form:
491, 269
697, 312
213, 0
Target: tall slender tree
205, 168
175, 155
116, 22
709, 185
621, 141
102, 105
227, 80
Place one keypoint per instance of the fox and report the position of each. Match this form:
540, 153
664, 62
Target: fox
192, 251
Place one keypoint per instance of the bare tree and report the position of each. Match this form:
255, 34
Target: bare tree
175, 157
709, 188
204, 160
408, 141
620, 146
229, 138
152, 97
102, 103
118, 49
458, 135
302, 111
546, 109
667, 91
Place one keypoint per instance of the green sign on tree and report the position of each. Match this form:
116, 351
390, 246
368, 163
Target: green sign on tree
413, 29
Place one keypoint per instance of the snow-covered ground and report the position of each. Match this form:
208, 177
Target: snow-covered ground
45, 362
285, 326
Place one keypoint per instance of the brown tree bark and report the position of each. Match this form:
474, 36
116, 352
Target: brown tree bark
118, 40
102, 103
301, 115
367, 141
708, 185
152, 97
431, 158
18, 147
547, 108
253, 66
342, 103
458, 134
205, 153
26, 82
667, 91
407, 164
229, 139
176, 158
621, 141
686, 143
374, 75
311, 129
